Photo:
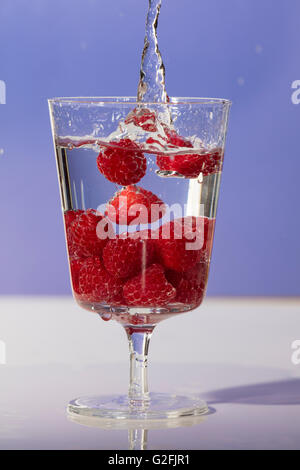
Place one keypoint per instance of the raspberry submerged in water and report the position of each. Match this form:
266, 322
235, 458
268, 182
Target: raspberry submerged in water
132, 203
149, 289
89, 233
191, 165
183, 243
190, 285
69, 217
122, 163
175, 139
75, 266
168, 138
126, 256
95, 284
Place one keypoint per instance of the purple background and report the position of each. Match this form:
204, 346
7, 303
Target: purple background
245, 50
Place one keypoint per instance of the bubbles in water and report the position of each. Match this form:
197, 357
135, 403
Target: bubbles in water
168, 174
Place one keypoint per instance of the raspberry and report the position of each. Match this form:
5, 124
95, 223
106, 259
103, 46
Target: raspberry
88, 233
70, 216
149, 289
133, 203
122, 163
75, 266
143, 118
191, 165
125, 256
174, 277
97, 285
183, 242
170, 138
175, 139
190, 286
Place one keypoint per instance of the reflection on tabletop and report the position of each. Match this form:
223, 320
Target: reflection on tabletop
138, 429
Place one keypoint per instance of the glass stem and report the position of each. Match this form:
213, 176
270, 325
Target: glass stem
138, 392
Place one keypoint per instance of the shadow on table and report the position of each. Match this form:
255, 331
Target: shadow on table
281, 392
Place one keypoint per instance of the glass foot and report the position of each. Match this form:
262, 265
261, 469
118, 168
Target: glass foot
159, 406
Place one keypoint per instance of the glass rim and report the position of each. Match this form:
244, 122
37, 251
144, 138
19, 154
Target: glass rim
131, 100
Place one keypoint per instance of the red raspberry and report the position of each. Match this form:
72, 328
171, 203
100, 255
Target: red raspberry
174, 277
175, 139
149, 289
97, 285
75, 266
171, 138
190, 285
122, 163
134, 202
125, 256
70, 216
191, 165
89, 233
143, 118
183, 242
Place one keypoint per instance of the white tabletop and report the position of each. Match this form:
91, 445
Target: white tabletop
235, 353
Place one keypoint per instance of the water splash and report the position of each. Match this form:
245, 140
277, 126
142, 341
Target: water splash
152, 75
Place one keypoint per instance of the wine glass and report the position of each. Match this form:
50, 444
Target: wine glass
139, 186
